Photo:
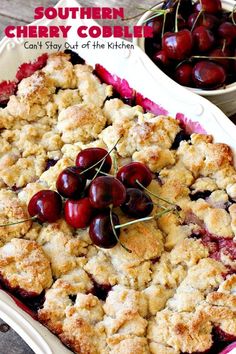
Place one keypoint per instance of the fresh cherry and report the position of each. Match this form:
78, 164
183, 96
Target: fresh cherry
221, 53
209, 6
46, 205
91, 156
101, 232
151, 46
183, 74
132, 172
78, 213
71, 183
177, 45
137, 204
227, 30
208, 75
203, 39
161, 59
207, 20
156, 25
105, 191
181, 22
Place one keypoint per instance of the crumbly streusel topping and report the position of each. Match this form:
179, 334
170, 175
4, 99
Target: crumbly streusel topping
179, 282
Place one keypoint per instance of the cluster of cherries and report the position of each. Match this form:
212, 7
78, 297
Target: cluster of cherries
194, 43
90, 194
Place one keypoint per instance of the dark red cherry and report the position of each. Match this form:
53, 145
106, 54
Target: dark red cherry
183, 74
218, 52
70, 183
78, 213
151, 46
181, 22
89, 157
137, 204
46, 205
227, 31
161, 59
177, 45
207, 20
101, 232
203, 39
209, 6
132, 172
208, 75
105, 191
156, 25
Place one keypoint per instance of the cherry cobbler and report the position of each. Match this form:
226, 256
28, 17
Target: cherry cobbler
117, 227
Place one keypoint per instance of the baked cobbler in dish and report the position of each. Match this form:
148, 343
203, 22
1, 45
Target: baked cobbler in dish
169, 285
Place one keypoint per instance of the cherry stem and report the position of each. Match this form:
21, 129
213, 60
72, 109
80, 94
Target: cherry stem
115, 234
142, 13
103, 173
19, 222
148, 218
176, 17
206, 57
197, 18
102, 159
163, 25
148, 191
114, 158
232, 15
224, 45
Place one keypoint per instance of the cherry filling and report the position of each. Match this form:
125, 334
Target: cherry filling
50, 163
72, 298
217, 246
223, 336
181, 136
74, 57
220, 341
129, 100
15, 188
29, 302
198, 195
101, 290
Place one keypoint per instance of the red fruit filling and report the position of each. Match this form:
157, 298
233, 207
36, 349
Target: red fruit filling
101, 290
223, 336
7, 89
30, 302
27, 69
217, 245
125, 91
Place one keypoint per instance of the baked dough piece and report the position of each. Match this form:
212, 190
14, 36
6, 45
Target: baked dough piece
91, 89
60, 70
11, 209
80, 123
24, 267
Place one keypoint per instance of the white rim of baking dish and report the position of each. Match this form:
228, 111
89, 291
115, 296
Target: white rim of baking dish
125, 65
227, 5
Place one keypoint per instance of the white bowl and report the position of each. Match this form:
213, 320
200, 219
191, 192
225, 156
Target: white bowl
224, 98
140, 72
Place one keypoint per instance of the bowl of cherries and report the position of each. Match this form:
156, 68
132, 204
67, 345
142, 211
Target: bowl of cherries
194, 43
